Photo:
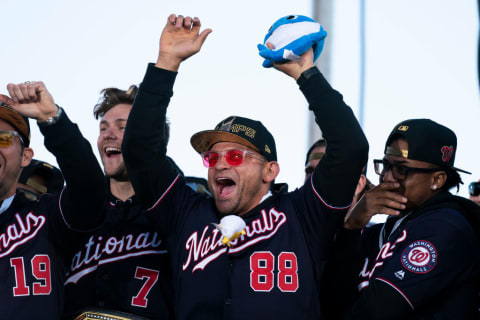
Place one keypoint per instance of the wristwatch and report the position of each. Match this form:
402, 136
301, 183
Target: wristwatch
51, 120
307, 74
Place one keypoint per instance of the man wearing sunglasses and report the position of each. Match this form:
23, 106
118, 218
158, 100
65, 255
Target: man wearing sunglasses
37, 235
222, 270
424, 262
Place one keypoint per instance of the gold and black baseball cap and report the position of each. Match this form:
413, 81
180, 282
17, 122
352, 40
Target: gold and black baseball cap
16, 120
53, 180
428, 141
248, 132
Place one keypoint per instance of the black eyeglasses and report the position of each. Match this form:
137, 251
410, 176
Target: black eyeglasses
474, 189
399, 172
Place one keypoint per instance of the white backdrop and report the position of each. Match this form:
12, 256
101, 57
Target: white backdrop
421, 62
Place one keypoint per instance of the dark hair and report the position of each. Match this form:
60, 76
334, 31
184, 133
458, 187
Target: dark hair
113, 96
110, 97
453, 180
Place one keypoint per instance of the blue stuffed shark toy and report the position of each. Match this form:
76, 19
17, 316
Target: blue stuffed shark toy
291, 37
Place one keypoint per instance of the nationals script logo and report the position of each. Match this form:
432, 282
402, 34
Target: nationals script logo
19, 232
99, 250
208, 247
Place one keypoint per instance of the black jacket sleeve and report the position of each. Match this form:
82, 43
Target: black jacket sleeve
336, 176
82, 200
339, 285
379, 302
144, 145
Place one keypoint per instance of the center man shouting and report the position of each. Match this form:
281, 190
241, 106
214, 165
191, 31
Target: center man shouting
270, 270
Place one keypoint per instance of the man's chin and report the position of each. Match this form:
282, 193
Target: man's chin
118, 176
223, 208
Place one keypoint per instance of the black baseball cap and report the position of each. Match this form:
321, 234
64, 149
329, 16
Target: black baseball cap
428, 141
248, 132
52, 175
16, 120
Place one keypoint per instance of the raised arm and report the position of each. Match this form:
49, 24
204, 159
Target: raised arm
336, 176
83, 198
144, 144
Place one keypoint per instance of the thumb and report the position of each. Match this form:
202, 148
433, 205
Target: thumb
5, 99
202, 37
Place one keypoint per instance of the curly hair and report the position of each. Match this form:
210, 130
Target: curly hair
113, 96
110, 97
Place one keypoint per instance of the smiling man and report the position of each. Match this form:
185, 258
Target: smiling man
36, 235
267, 269
122, 266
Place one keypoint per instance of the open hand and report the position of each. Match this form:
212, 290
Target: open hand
180, 39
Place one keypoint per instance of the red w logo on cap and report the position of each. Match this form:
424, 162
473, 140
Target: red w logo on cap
447, 153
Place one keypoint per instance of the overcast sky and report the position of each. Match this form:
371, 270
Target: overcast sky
421, 62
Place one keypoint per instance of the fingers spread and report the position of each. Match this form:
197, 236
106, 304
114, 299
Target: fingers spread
171, 19
187, 23
179, 22
196, 24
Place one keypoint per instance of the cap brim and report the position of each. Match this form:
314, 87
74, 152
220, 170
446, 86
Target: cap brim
16, 120
460, 170
202, 141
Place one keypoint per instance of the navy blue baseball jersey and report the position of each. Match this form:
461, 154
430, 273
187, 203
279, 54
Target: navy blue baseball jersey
270, 271
428, 262
35, 236
122, 266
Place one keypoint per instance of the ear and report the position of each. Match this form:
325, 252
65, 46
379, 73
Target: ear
270, 171
438, 180
26, 157
361, 184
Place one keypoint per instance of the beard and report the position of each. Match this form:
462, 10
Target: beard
119, 173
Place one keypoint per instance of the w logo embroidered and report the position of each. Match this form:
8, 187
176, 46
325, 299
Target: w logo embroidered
447, 153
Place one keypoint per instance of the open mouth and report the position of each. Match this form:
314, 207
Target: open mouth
225, 186
112, 151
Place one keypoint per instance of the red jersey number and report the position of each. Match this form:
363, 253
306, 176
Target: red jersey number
262, 266
40, 270
151, 276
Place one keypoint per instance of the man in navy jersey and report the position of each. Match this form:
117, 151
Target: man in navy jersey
122, 266
424, 261
35, 236
252, 250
